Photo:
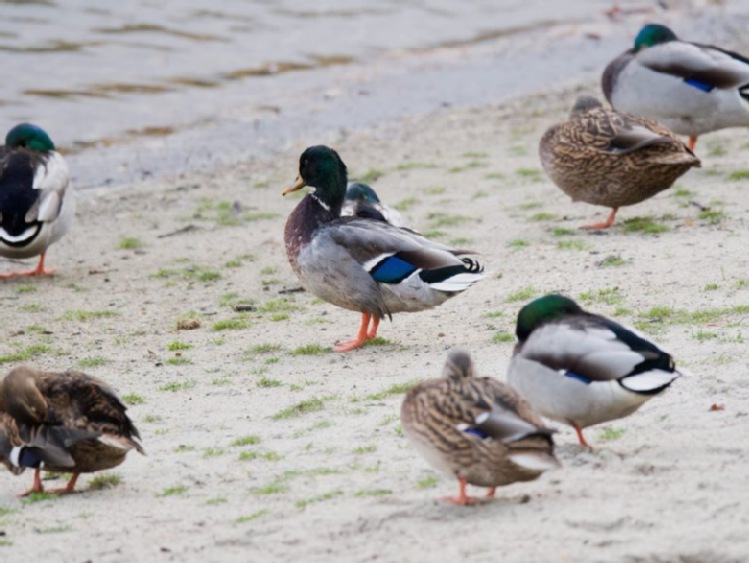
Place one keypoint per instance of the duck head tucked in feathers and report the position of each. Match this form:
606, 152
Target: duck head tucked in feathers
582, 369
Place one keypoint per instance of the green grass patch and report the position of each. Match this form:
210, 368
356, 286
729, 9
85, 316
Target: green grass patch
133, 399
92, 362
518, 243
524, 294
302, 407
309, 350
229, 324
249, 440
609, 434
531, 174
173, 491
502, 337
251, 517
396, 389
542, 216
373, 492
130, 243
711, 217
571, 244
83, 316
178, 361
176, 346
609, 296
265, 348
439, 220
644, 225
737, 175
179, 385
428, 482
105, 481
267, 383
612, 261
271, 489
302, 503
26, 353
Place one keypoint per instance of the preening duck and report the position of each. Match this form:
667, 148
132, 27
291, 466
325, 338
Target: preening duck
36, 199
605, 157
476, 429
691, 88
582, 369
363, 201
66, 422
365, 264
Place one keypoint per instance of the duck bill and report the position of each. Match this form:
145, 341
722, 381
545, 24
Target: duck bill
298, 185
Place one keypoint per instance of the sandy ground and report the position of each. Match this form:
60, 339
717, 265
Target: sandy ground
264, 446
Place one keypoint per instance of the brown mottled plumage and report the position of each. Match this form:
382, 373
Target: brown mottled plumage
69, 422
476, 429
605, 157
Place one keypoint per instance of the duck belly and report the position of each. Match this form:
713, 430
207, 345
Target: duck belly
569, 400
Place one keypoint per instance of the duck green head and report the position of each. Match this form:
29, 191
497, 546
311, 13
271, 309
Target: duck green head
542, 310
653, 34
362, 192
29, 136
321, 168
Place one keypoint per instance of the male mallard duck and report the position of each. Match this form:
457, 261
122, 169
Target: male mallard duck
604, 157
476, 429
582, 369
690, 88
362, 201
67, 422
363, 263
36, 199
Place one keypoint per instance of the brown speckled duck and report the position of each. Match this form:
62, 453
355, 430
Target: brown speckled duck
363, 263
476, 429
66, 422
604, 157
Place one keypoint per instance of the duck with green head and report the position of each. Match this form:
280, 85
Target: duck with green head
365, 264
476, 429
689, 87
62, 422
605, 157
362, 201
36, 199
581, 369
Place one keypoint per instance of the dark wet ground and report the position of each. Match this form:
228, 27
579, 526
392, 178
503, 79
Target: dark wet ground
142, 88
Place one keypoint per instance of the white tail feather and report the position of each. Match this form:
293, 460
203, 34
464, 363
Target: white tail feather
649, 381
535, 461
458, 282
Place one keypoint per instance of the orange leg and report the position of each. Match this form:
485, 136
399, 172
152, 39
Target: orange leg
580, 436
361, 338
67, 489
38, 271
372, 333
692, 142
462, 499
606, 224
491, 492
37, 487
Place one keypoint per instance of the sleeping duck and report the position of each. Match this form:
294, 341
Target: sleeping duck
476, 429
362, 263
604, 157
36, 199
691, 88
64, 422
363, 201
582, 369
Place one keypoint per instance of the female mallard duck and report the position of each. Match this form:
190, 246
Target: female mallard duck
36, 199
476, 429
362, 201
67, 422
604, 157
690, 88
582, 369
363, 263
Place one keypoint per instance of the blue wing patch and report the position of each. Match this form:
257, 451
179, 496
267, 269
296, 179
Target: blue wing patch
392, 270
699, 85
476, 432
580, 378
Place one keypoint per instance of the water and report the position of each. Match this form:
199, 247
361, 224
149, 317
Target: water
136, 87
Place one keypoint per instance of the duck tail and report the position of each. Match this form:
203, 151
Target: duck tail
455, 278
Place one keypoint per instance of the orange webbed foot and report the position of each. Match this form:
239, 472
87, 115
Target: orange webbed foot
604, 225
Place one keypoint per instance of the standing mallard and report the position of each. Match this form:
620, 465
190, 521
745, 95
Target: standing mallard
604, 157
582, 369
690, 88
68, 422
362, 263
363, 201
36, 199
476, 429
